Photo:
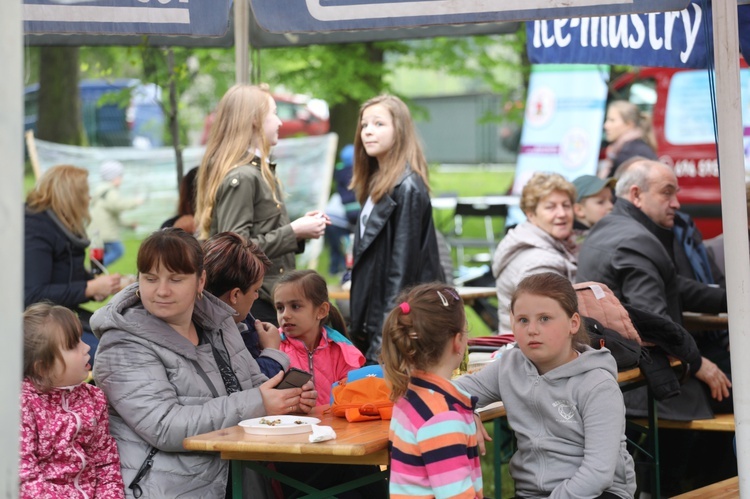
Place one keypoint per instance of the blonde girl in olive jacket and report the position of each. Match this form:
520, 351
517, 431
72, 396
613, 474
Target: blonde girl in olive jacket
238, 190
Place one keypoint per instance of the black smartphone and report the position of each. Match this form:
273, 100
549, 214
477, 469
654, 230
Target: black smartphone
294, 378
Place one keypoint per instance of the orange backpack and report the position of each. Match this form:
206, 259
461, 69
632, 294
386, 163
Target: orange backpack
364, 399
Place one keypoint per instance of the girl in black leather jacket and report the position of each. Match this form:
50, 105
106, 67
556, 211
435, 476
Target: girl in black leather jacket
394, 243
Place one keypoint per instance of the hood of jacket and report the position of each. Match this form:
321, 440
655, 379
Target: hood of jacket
527, 236
592, 359
125, 312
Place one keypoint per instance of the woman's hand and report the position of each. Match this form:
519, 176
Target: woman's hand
715, 378
319, 214
308, 397
268, 334
276, 401
102, 286
310, 227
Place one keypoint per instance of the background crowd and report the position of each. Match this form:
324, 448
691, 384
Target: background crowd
218, 313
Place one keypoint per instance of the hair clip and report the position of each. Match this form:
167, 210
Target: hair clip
413, 335
443, 299
453, 293
405, 308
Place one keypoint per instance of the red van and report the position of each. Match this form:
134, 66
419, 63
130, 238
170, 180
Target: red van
679, 102
299, 117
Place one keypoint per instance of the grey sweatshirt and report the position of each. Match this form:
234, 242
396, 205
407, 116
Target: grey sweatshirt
569, 423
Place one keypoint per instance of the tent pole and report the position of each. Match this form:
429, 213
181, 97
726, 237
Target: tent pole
11, 233
241, 40
734, 220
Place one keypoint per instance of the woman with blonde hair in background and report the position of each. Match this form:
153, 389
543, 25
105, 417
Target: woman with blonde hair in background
55, 242
395, 245
238, 190
542, 243
629, 133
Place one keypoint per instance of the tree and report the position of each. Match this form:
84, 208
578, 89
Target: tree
348, 74
59, 102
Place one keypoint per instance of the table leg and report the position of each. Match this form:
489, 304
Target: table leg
497, 459
236, 479
654, 434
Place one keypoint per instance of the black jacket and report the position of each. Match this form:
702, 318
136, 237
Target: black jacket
399, 249
632, 255
53, 262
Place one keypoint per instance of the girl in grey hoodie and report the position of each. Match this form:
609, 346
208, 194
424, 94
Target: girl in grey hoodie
562, 399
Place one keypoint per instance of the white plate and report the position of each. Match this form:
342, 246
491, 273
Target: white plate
287, 425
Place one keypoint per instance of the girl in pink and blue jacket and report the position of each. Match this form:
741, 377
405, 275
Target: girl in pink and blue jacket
313, 331
66, 448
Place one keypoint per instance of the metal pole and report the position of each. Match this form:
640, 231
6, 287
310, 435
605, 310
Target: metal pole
11, 233
734, 219
241, 40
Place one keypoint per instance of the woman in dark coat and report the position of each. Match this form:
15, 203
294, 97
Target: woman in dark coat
55, 242
394, 244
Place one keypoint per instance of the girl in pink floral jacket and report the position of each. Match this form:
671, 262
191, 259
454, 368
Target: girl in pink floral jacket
66, 448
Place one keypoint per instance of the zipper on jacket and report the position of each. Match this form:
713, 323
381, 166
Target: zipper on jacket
543, 432
77, 480
310, 364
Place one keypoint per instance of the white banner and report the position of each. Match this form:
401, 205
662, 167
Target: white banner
305, 168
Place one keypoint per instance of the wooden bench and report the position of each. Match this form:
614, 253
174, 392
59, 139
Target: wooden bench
721, 422
727, 489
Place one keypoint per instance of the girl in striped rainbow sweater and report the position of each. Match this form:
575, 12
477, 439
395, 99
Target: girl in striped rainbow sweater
433, 440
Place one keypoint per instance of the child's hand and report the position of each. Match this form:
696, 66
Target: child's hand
280, 401
308, 397
268, 335
482, 435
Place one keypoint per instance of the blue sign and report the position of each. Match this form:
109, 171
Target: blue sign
668, 39
743, 17
284, 16
139, 17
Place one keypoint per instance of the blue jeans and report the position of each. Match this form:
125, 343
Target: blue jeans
113, 251
335, 239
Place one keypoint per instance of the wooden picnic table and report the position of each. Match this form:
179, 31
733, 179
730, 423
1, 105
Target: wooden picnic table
694, 321
360, 443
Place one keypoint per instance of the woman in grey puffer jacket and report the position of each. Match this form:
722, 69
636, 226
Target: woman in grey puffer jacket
172, 364
543, 243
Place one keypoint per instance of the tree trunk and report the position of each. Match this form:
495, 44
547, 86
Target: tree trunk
174, 124
344, 115
59, 117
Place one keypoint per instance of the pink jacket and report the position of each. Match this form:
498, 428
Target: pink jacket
331, 361
66, 448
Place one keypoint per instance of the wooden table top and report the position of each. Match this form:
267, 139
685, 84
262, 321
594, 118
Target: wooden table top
726, 489
355, 443
694, 321
467, 293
